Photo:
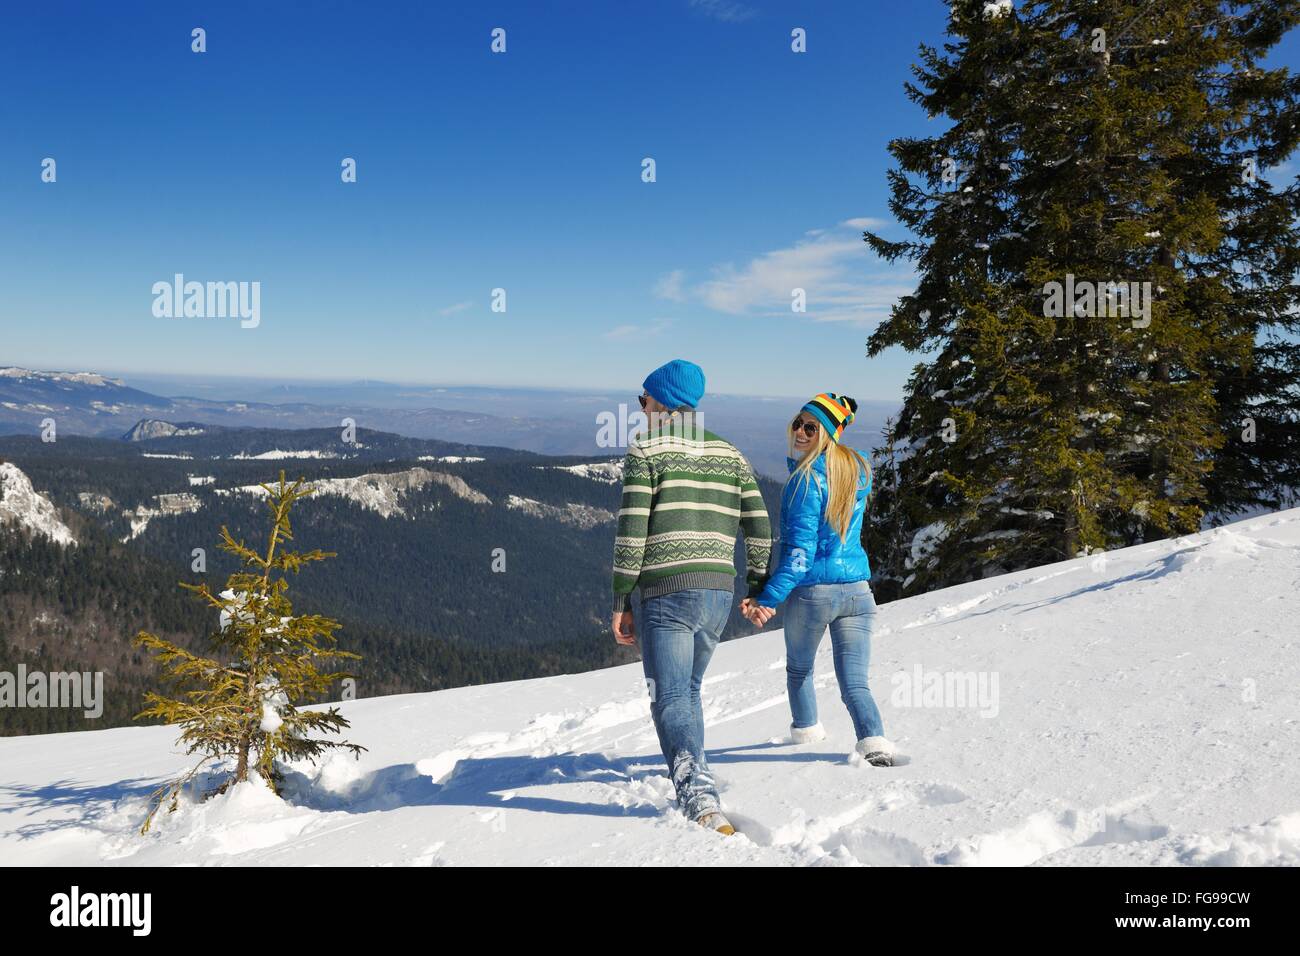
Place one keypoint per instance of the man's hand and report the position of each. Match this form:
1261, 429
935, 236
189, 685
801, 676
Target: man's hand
624, 628
756, 614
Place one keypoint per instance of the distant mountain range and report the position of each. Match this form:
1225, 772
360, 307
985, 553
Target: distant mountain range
545, 421
88, 404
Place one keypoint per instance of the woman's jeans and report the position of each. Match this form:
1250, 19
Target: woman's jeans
848, 610
678, 633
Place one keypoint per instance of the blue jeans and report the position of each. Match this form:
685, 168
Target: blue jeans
678, 633
848, 610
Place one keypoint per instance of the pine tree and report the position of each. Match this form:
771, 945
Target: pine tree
1103, 142
240, 703
886, 538
1256, 127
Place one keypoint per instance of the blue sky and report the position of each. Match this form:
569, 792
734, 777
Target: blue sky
475, 171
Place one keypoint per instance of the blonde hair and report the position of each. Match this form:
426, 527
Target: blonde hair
845, 468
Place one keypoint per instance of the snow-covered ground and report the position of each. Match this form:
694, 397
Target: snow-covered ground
1145, 713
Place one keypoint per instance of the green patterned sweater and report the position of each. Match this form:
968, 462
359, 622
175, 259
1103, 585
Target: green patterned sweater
686, 492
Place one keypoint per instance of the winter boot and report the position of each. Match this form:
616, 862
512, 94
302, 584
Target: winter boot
807, 735
716, 821
877, 751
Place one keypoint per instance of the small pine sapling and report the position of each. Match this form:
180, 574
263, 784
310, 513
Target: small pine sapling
240, 703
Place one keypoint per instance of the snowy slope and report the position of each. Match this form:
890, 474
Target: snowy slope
381, 492
1146, 713
22, 505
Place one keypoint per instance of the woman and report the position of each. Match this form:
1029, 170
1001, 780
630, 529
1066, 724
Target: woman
823, 569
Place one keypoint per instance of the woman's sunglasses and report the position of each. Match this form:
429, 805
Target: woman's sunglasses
808, 428
643, 399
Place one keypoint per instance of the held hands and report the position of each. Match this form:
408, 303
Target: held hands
756, 614
624, 627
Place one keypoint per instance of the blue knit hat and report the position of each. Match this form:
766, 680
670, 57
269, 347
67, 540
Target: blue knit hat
676, 384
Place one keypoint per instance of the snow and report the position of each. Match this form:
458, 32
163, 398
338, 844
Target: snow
579, 515
240, 601
273, 699
149, 428
1145, 715
277, 454
81, 378
380, 492
22, 505
171, 504
1042, 513
606, 472
450, 459
925, 541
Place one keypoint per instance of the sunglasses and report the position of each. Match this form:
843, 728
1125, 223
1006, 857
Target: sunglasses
643, 399
808, 428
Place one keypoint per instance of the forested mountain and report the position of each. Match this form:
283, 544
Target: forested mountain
456, 564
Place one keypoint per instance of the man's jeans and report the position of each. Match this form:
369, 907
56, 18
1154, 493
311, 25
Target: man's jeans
678, 633
848, 610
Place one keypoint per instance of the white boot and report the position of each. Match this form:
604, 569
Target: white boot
877, 751
807, 735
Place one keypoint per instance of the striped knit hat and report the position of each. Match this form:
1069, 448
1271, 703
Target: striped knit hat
835, 412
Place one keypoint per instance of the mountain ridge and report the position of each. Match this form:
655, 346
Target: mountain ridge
457, 563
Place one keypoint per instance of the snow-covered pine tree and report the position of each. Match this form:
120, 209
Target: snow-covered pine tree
1080, 139
1253, 127
967, 407
241, 704
886, 538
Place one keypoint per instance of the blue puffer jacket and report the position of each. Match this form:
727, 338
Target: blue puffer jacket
811, 550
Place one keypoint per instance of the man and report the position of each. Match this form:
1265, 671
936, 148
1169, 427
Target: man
685, 493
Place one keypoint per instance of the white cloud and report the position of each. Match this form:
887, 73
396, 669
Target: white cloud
842, 279
623, 332
728, 11
453, 309
864, 222
670, 286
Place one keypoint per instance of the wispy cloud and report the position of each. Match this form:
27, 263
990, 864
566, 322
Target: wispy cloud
453, 309
864, 222
623, 332
842, 280
670, 286
728, 11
